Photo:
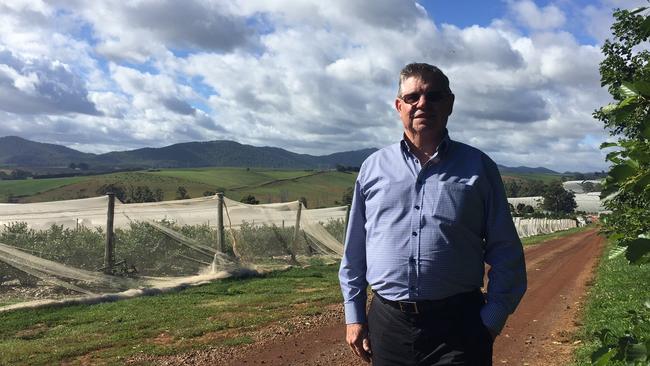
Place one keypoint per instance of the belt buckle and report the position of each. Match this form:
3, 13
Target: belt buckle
406, 306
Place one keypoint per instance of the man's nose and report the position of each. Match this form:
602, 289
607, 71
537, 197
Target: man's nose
422, 101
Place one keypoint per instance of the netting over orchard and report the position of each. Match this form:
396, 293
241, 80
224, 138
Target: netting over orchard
59, 250
157, 245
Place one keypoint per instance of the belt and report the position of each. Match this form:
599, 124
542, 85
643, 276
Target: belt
425, 306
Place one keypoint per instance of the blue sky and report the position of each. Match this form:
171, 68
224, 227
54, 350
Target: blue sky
308, 76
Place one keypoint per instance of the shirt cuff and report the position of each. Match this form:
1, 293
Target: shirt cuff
494, 317
355, 312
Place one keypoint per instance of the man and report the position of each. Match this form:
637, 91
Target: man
427, 214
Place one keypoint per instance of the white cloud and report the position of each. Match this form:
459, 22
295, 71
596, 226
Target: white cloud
528, 14
309, 76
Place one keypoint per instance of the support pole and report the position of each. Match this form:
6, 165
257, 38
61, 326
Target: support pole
109, 255
221, 238
296, 233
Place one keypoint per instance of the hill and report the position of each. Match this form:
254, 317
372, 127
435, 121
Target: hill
16, 151
19, 152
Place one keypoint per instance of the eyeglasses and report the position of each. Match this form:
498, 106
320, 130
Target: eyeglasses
431, 96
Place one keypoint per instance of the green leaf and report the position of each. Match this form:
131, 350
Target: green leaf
645, 127
621, 172
642, 183
605, 145
602, 356
627, 90
637, 10
637, 249
608, 109
641, 87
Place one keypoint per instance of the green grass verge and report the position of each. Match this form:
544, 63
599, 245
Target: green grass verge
618, 288
558, 234
219, 313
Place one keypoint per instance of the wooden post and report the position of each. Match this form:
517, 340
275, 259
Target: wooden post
221, 238
109, 256
296, 233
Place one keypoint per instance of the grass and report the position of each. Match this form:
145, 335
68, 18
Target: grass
321, 189
29, 187
618, 288
220, 313
558, 234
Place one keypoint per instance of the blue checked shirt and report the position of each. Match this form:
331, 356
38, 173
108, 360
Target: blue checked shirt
418, 233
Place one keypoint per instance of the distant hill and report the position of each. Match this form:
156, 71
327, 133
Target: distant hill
16, 151
525, 169
19, 152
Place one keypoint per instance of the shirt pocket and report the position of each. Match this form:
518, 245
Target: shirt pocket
455, 202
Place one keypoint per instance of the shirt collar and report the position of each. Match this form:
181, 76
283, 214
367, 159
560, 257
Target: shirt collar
442, 148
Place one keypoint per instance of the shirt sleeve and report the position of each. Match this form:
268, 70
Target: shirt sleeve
352, 274
504, 253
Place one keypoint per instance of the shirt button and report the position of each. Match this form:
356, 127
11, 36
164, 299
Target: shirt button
417, 207
412, 260
414, 233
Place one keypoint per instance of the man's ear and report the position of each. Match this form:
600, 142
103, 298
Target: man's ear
398, 104
450, 104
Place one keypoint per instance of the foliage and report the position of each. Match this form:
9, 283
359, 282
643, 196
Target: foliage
181, 193
557, 199
616, 316
626, 73
250, 199
524, 187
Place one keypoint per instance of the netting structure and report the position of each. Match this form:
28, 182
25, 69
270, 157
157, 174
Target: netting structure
587, 202
56, 252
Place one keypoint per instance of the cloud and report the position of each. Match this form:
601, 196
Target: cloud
528, 14
309, 76
41, 87
139, 30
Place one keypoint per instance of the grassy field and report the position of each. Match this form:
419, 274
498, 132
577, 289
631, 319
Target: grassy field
220, 313
618, 289
321, 189
29, 187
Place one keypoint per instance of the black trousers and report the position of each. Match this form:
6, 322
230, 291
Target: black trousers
448, 332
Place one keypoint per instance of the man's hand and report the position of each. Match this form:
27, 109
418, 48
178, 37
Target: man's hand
357, 338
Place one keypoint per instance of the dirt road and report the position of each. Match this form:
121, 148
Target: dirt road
539, 333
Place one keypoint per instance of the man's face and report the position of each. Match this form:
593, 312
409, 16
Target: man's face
424, 107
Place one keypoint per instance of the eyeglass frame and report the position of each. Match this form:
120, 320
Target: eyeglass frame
431, 96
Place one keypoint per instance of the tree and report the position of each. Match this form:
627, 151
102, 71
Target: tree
181, 193
116, 188
250, 199
347, 196
625, 71
557, 199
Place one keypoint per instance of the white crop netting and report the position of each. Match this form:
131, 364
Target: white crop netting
53, 252
56, 250
587, 202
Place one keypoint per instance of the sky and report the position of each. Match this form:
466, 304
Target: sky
309, 76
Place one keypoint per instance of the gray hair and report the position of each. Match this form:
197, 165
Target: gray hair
424, 72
